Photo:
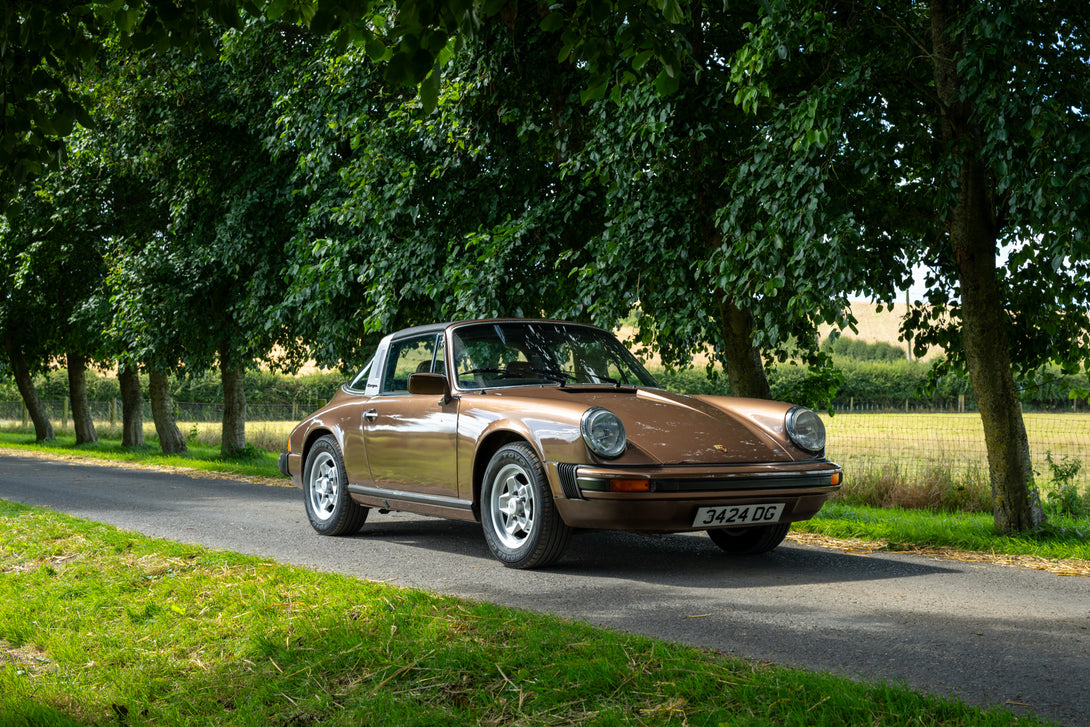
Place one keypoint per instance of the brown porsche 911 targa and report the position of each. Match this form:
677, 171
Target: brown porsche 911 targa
536, 428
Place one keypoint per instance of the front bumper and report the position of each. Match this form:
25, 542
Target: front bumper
291, 465
674, 494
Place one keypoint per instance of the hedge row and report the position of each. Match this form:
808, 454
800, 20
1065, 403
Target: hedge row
262, 387
883, 384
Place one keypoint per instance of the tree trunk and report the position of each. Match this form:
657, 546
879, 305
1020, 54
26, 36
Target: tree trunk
82, 422
170, 437
132, 407
973, 238
742, 360
43, 430
234, 406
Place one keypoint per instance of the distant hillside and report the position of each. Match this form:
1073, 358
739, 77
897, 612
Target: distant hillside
875, 327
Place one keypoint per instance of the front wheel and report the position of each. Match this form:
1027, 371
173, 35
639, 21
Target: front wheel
521, 524
330, 508
749, 541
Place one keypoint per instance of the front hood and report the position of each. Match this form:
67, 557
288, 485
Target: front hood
677, 429
664, 428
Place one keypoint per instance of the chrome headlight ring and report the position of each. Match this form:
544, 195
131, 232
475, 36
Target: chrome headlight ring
805, 429
603, 432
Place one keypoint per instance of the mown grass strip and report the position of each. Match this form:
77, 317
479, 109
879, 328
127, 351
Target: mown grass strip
201, 456
103, 627
903, 529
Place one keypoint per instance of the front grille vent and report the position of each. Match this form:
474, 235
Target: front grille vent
566, 470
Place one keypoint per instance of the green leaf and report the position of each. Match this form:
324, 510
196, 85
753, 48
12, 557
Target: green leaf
666, 84
429, 91
553, 21
671, 10
376, 49
594, 92
642, 58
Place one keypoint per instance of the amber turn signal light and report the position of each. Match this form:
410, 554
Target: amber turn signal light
640, 485
836, 478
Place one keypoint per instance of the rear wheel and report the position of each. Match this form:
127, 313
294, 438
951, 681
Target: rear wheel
330, 509
521, 524
749, 541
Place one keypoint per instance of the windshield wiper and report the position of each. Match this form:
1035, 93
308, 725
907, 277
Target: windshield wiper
556, 375
506, 373
559, 377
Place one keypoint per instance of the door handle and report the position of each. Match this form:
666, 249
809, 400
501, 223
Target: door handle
370, 415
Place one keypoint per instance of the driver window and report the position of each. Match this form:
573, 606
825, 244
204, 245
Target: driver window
411, 356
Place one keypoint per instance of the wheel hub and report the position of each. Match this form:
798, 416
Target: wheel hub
514, 506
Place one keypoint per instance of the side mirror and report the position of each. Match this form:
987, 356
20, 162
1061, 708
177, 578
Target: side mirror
430, 385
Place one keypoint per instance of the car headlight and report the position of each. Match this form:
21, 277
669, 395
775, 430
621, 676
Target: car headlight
603, 432
805, 429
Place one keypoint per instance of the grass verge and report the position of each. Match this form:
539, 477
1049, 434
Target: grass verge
103, 627
201, 456
1063, 538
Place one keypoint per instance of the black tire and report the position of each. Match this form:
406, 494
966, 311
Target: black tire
521, 524
330, 509
749, 541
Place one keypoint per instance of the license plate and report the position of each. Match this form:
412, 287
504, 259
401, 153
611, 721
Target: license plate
712, 517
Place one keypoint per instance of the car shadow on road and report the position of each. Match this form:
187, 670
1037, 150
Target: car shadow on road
684, 559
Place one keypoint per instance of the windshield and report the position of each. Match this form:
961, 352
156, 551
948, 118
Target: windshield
489, 355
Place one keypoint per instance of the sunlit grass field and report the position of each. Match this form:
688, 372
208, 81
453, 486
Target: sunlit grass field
915, 440
939, 461
897, 458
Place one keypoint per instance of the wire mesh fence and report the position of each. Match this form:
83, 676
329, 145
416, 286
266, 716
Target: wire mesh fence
916, 445
110, 411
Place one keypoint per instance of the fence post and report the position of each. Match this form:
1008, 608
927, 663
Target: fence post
26, 414
64, 413
113, 412
851, 404
961, 403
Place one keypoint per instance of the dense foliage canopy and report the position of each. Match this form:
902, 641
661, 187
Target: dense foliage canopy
288, 180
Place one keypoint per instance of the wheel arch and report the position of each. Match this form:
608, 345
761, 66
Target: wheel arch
485, 451
313, 436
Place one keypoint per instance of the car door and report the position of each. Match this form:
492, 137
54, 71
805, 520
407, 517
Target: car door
411, 439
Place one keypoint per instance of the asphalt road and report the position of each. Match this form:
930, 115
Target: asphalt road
986, 634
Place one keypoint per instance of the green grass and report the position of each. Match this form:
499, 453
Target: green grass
104, 627
202, 455
903, 529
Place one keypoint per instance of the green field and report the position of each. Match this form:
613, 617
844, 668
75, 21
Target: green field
935, 460
922, 440
903, 452
938, 461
